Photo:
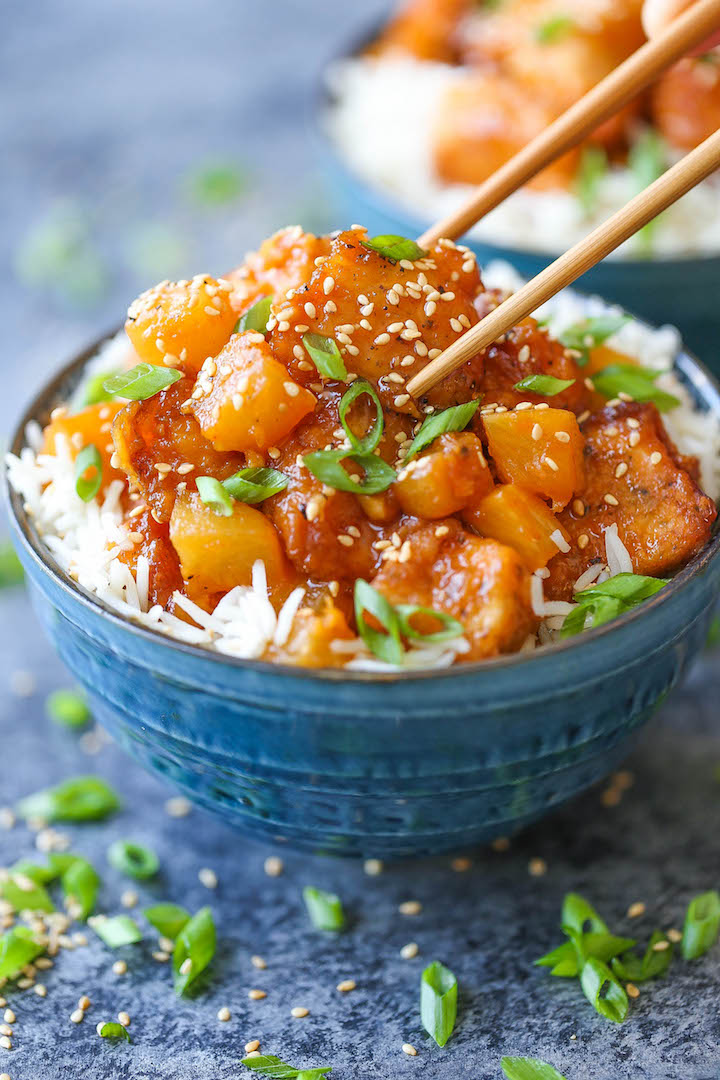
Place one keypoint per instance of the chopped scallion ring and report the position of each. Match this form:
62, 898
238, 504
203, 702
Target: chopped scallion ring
133, 859
438, 1001
141, 382
88, 460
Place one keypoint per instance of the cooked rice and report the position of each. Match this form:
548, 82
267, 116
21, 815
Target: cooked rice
390, 149
86, 540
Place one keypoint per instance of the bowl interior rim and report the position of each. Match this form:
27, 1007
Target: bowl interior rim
702, 381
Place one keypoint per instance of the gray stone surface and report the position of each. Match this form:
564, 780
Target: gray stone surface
106, 107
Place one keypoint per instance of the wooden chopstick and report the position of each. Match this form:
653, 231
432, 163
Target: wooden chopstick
694, 167
604, 100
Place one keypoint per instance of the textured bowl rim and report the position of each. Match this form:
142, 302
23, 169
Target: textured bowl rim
693, 371
384, 202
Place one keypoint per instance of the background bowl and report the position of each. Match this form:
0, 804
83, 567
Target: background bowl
362, 764
682, 290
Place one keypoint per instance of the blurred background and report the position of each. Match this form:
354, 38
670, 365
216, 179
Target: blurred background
148, 140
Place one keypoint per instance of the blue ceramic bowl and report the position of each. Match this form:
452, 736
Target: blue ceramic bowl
681, 291
363, 764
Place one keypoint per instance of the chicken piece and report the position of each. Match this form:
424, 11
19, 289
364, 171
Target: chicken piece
686, 101
159, 447
244, 399
385, 317
483, 584
451, 474
283, 261
179, 324
91, 426
636, 479
485, 119
425, 29
152, 540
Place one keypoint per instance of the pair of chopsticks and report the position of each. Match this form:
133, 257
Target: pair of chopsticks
684, 34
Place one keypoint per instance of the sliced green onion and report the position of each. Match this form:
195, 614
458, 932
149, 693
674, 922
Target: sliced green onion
17, 949
456, 418
593, 168
68, 708
586, 335
638, 382
25, 894
326, 465
168, 919
647, 161
563, 961
395, 248
88, 458
93, 391
524, 1068
702, 923
580, 915
116, 931
603, 991
324, 908
214, 494
554, 29
194, 949
370, 440
451, 627
80, 883
438, 1001
43, 875
133, 859
112, 1030
83, 798
256, 317
387, 646
547, 385
325, 355
255, 484
269, 1065
601, 603
141, 382
567, 960
636, 969
11, 571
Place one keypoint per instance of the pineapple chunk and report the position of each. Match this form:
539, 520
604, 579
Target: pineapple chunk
92, 424
452, 474
538, 449
521, 520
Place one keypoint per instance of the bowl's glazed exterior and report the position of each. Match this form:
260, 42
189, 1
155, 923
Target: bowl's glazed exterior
374, 765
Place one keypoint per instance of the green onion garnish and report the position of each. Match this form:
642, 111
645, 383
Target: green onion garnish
647, 161
255, 484
133, 859
523, 1068
25, 894
603, 990
580, 915
256, 317
168, 919
17, 949
93, 391
214, 494
438, 1001
586, 335
456, 418
395, 248
88, 459
397, 623
601, 603
80, 883
83, 798
547, 385
638, 382
370, 440
451, 628
554, 29
325, 355
194, 949
702, 923
636, 969
141, 382
43, 875
324, 908
593, 167
68, 708
269, 1065
326, 466
112, 1030
116, 931
11, 571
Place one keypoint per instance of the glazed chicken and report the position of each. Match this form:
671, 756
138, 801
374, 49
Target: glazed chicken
296, 365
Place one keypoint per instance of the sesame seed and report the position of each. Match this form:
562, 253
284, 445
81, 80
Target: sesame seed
208, 878
537, 867
655, 457
634, 438
273, 866
636, 909
186, 966
330, 307
119, 967
9, 1016
410, 907
395, 328
632, 990
301, 328
409, 1050
310, 310
223, 1014
5, 1029
409, 951
632, 422
562, 436
346, 986
661, 946
621, 470
392, 297
254, 1044
456, 325
430, 308
328, 285
551, 463
211, 310
346, 541
373, 867
77, 1016
129, 898
401, 399
256, 995
446, 296
382, 339
178, 806
258, 962
291, 389
5, 1042
299, 1011
674, 935
578, 507
610, 500
160, 956
583, 541
536, 432
124, 1019
40, 989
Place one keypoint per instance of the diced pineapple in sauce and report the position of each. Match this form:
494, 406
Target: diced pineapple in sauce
452, 474
538, 449
92, 425
310, 642
245, 399
521, 520
181, 323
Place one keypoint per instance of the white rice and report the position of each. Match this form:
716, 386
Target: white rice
391, 149
86, 539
